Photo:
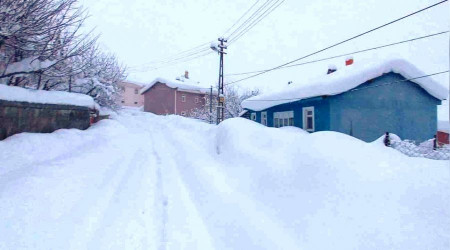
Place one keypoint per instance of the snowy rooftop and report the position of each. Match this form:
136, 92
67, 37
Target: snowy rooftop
186, 84
10, 93
135, 83
345, 79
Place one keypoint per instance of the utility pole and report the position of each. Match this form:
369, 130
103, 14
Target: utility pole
220, 95
210, 105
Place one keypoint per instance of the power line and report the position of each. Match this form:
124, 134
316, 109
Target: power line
192, 53
341, 42
346, 54
197, 49
273, 7
355, 89
249, 18
207, 52
248, 10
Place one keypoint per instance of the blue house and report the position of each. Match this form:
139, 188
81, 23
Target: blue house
363, 100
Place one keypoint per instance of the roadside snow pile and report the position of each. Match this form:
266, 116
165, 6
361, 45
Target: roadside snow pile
11, 93
346, 79
141, 181
332, 191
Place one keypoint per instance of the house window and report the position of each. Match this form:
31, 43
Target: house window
196, 99
183, 98
308, 119
183, 113
282, 119
264, 118
136, 91
253, 116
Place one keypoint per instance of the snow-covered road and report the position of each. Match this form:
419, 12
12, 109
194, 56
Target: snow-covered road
141, 181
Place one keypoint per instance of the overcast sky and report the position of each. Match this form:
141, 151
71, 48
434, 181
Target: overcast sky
141, 31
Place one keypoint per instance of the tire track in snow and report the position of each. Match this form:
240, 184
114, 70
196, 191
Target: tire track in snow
182, 225
162, 200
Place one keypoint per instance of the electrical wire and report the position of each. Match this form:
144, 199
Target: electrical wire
273, 7
240, 18
341, 42
259, 10
346, 54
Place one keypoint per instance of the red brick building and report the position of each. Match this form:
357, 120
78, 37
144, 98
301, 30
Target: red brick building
164, 97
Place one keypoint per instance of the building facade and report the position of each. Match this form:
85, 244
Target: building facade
164, 97
131, 96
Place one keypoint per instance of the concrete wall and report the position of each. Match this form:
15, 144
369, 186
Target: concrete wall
17, 117
402, 108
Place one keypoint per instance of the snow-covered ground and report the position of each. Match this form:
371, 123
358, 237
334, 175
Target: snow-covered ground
141, 181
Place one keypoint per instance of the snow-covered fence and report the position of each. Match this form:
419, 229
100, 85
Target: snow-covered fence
23, 110
428, 149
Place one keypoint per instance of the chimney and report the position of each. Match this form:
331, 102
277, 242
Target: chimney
331, 69
186, 74
349, 61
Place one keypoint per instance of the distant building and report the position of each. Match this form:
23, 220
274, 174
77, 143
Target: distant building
363, 101
131, 96
180, 96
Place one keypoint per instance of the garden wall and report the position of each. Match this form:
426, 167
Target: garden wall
17, 117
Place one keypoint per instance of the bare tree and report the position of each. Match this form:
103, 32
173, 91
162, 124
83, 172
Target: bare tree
233, 99
42, 47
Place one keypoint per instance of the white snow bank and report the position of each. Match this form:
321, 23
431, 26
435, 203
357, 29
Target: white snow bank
331, 186
11, 93
176, 84
345, 79
141, 181
294, 129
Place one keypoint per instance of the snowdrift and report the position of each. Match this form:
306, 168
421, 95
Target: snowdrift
142, 181
332, 191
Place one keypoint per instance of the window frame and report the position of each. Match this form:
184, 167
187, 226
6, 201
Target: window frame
264, 118
136, 91
183, 98
197, 100
253, 116
283, 118
305, 117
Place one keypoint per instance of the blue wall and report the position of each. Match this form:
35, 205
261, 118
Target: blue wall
367, 112
403, 108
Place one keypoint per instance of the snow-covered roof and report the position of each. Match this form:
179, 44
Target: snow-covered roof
187, 85
141, 84
11, 93
345, 79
